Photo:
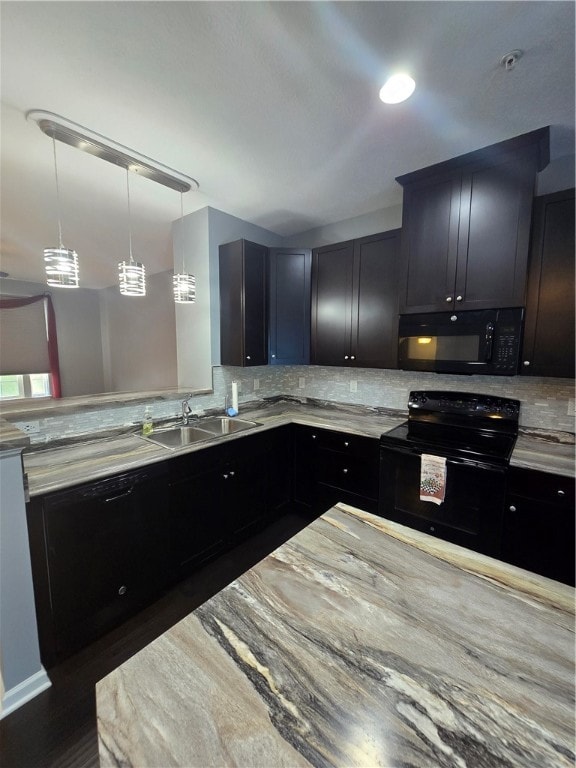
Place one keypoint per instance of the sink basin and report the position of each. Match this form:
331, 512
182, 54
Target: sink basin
176, 437
222, 425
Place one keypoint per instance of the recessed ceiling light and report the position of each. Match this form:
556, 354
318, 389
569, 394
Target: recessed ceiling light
397, 88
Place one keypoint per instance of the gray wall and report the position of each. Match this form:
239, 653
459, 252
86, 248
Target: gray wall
139, 337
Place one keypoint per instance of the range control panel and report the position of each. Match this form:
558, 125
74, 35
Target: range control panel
442, 406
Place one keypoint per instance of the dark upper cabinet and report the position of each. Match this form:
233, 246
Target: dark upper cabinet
355, 302
548, 348
243, 303
289, 306
466, 227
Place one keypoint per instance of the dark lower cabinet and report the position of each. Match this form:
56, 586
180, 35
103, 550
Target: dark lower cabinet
198, 521
332, 466
539, 524
99, 551
222, 493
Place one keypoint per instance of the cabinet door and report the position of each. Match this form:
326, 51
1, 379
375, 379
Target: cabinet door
198, 522
243, 305
375, 307
430, 217
332, 285
539, 524
244, 484
549, 341
495, 217
289, 306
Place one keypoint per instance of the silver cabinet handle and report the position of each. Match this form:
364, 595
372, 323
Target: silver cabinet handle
345, 357
248, 357
352, 357
561, 493
526, 363
346, 444
313, 437
458, 298
345, 471
119, 495
448, 298
231, 474
512, 508
273, 355
123, 589
453, 318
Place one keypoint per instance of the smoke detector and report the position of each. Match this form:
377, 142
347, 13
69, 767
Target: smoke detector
509, 60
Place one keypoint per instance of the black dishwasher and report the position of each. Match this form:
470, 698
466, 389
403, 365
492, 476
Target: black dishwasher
467, 439
99, 553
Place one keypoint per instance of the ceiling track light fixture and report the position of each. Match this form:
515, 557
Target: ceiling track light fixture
183, 283
61, 264
75, 135
132, 274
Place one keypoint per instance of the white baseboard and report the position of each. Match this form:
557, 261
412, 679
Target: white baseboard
23, 692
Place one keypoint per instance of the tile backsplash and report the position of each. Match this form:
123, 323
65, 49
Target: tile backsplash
546, 403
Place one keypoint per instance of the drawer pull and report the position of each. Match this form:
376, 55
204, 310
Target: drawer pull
120, 495
345, 471
512, 508
123, 589
561, 493
346, 445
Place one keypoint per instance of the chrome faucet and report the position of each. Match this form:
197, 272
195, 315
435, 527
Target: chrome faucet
186, 410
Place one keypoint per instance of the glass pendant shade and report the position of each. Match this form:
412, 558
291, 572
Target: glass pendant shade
132, 277
184, 288
61, 266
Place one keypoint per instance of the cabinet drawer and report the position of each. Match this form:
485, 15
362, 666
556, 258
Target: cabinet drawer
541, 486
349, 445
347, 472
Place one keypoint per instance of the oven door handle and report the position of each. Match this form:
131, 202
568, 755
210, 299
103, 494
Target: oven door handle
394, 449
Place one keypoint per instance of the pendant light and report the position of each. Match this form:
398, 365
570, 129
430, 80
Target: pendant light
132, 274
61, 264
183, 283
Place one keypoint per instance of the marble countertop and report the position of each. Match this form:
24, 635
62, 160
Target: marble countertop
356, 643
54, 468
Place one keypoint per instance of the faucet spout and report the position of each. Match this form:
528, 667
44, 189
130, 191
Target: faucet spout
186, 410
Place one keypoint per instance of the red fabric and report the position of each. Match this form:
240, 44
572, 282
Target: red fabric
52, 335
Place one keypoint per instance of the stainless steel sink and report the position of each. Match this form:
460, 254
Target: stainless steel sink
222, 425
176, 437
207, 429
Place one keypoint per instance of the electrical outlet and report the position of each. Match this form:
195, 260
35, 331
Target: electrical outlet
301, 382
256, 384
571, 410
354, 386
30, 427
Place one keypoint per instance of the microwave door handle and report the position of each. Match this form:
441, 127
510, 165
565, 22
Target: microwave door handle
488, 342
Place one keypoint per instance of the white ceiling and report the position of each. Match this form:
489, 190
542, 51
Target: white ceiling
273, 107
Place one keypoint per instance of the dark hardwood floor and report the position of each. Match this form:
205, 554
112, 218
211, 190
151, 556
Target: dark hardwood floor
57, 729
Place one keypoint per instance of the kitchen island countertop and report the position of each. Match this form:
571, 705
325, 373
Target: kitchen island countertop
356, 643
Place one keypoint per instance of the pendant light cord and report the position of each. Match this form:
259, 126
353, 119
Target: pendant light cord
57, 194
182, 220
129, 218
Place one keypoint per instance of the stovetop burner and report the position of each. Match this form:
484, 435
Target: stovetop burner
458, 425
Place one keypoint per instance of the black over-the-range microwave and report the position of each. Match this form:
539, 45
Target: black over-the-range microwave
474, 341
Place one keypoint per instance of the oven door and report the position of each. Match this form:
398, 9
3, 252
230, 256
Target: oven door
472, 512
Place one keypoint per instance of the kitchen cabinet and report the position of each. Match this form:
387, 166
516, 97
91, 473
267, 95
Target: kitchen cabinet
218, 495
466, 227
539, 523
549, 342
243, 303
355, 302
198, 522
99, 552
289, 306
332, 466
